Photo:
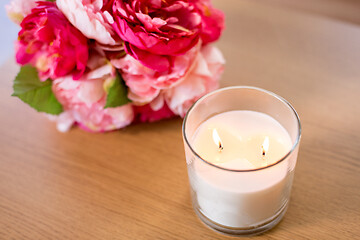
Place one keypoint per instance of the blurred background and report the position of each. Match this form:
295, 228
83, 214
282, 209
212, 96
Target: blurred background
344, 10
9, 33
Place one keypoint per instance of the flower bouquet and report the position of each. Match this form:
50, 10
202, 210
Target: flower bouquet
104, 64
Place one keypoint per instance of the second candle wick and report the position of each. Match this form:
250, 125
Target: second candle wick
265, 146
217, 140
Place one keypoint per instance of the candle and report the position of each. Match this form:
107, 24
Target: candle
240, 140
241, 147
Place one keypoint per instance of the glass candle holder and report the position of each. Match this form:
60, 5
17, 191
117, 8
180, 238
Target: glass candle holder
241, 146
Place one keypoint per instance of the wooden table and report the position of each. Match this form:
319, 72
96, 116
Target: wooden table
132, 184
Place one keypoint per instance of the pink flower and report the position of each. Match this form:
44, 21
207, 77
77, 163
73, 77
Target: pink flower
155, 31
147, 114
84, 102
138, 78
145, 83
212, 21
202, 79
86, 15
51, 44
18, 9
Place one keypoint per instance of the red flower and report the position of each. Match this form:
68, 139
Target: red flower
155, 31
51, 44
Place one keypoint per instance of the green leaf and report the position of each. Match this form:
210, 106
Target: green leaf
117, 93
28, 87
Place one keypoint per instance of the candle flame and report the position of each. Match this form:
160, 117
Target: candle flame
217, 140
265, 146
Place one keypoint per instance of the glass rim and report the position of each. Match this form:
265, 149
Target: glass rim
284, 101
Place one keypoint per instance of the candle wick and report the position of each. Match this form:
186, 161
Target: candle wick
265, 147
220, 147
263, 153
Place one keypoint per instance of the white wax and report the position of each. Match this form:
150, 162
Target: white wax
240, 199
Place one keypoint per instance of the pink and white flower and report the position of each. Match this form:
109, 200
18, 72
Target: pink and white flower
84, 102
202, 79
145, 83
86, 15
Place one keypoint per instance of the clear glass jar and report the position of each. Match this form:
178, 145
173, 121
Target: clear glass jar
241, 202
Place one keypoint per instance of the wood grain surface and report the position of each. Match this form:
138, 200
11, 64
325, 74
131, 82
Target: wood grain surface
132, 184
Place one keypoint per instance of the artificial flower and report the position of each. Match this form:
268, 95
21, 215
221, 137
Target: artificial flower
84, 102
86, 15
116, 62
51, 44
202, 79
145, 83
156, 31
147, 113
